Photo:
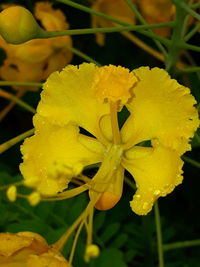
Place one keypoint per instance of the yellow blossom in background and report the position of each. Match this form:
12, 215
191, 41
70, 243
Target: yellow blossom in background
153, 11
157, 11
115, 8
161, 110
27, 249
34, 60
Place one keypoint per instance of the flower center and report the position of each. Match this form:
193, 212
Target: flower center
114, 84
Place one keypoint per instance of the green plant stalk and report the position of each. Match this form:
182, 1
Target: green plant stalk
159, 235
187, 9
15, 140
194, 6
182, 244
191, 161
176, 41
138, 28
190, 69
18, 101
110, 18
83, 55
192, 32
11, 83
143, 21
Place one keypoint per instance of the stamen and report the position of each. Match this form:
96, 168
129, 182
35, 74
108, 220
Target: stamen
114, 123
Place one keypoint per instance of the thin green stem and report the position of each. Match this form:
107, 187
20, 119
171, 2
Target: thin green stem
82, 55
11, 83
159, 235
128, 182
143, 21
190, 69
176, 41
15, 140
195, 6
110, 18
188, 46
182, 244
192, 32
92, 11
185, 7
17, 101
137, 28
191, 161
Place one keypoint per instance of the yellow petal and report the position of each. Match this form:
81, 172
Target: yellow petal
54, 154
157, 11
70, 96
51, 19
160, 109
9, 244
157, 171
115, 8
50, 259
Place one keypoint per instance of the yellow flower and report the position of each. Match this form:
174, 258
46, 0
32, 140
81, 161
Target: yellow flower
115, 8
34, 60
153, 11
157, 11
27, 249
88, 97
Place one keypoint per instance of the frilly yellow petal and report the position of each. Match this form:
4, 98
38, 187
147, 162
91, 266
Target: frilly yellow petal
157, 171
52, 155
50, 259
160, 109
69, 96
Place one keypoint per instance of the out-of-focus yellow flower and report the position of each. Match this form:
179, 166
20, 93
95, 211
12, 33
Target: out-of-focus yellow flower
115, 8
34, 60
27, 249
154, 11
161, 112
157, 11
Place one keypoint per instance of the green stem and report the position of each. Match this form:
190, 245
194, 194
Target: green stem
92, 11
137, 28
110, 18
191, 33
159, 235
128, 182
17, 101
11, 83
190, 69
187, 9
143, 21
15, 140
195, 6
188, 46
183, 244
176, 41
191, 161
83, 55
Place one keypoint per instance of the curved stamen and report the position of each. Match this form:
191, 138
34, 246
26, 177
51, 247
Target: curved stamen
114, 123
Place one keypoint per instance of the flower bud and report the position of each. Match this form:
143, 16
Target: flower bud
17, 25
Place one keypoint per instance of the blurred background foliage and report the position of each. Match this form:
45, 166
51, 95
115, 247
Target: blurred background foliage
125, 239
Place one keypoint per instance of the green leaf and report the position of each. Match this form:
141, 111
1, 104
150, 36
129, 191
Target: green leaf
110, 256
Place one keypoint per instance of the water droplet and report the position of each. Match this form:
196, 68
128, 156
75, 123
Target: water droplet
137, 196
156, 192
145, 205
